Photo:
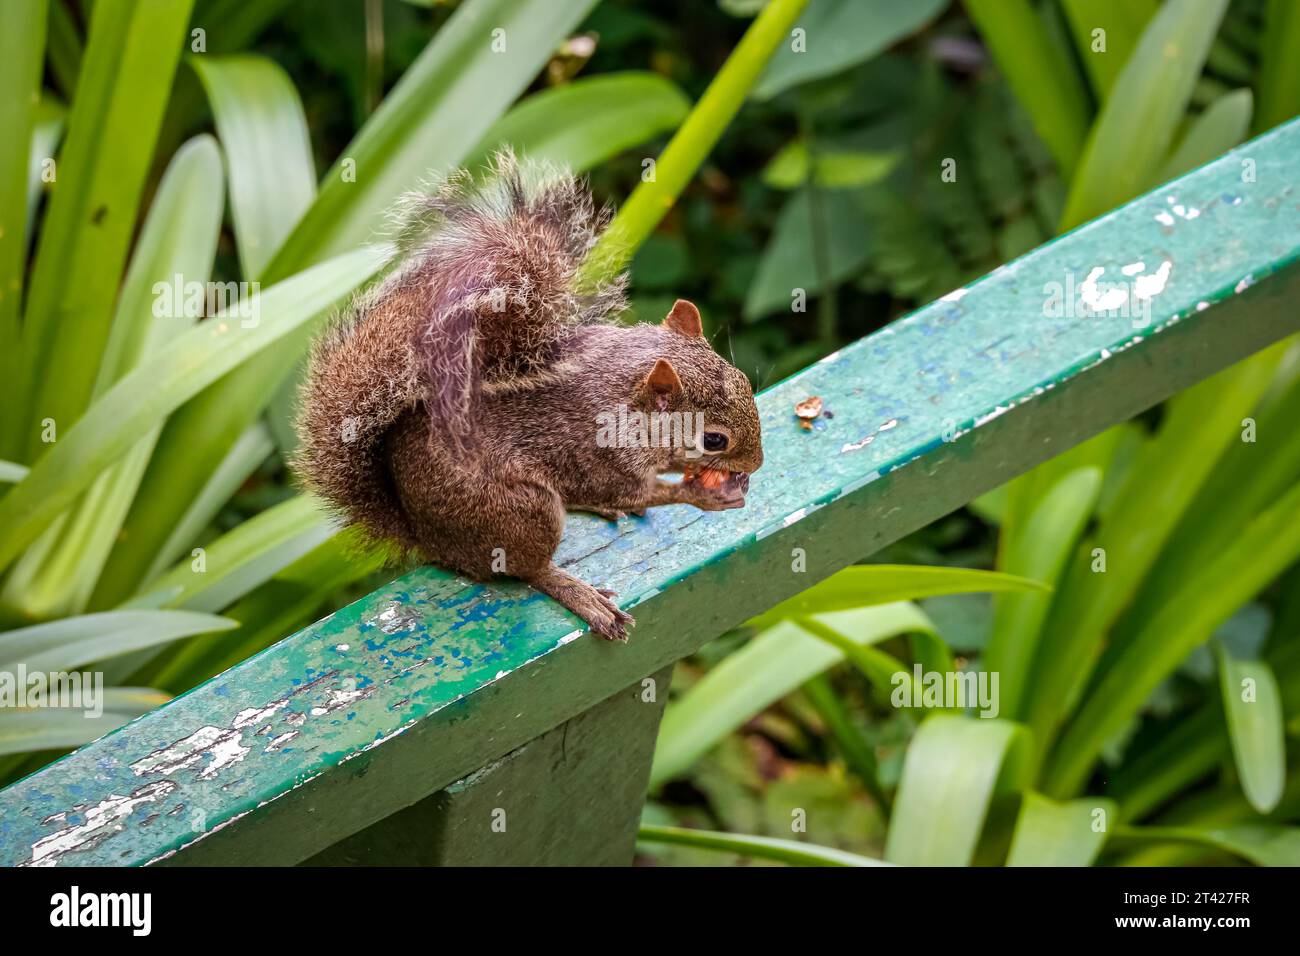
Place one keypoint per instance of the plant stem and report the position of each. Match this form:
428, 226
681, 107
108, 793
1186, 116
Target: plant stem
652, 199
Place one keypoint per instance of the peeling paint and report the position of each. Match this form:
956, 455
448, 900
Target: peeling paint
101, 821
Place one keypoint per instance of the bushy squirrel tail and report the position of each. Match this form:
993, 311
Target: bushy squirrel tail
484, 289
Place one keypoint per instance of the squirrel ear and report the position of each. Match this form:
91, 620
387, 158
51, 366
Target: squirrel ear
684, 319
661, 384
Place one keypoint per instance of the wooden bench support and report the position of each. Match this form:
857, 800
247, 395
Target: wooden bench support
370, 711
572, 797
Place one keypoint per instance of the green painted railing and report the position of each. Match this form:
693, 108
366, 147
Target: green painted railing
443, 722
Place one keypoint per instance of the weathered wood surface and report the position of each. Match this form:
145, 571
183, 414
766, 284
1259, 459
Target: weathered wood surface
430, 678
572, 797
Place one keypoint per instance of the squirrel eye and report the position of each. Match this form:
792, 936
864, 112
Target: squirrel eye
715, 441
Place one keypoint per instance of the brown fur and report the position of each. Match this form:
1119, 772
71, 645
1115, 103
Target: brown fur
456, 412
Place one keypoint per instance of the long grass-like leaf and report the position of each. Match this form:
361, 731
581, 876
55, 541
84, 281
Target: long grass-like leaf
1264, 549
1045, 82
584, 123
179, 238
1278, 84
772, 665
1252, 702
144, 397
264, 136
131, 56
1104, 578
253, 448
1263, 844
22, 45
868, 584
652, 199
50, 119
1136, 126
248, 555
1059, 834
476, 65
76, 641
1044, 544
954, 768
763, 848
23, 731
1105, 33
1221, 127
66, 48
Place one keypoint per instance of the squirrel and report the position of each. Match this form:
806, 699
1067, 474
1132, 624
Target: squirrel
464, 404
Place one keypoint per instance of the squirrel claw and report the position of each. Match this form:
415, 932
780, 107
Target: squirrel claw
594, 605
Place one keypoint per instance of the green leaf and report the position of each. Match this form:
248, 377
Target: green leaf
954, 768
1263, 844
474, 67
1044, 81
22, 46
653, 197
831, 168
61, 728
1039, 549
50, 120
179, 238
248, 555
1131, 137
1221, 127
1209, 596
1059, 834
252, 448
131, 56
264, 136
144, 397
11, 473
1278, 84
763, 848
1199, 424
1122, 22
838, 34
772, 665
788, 264
1253, 704
76, 641
583, 123
852, 743
863, 585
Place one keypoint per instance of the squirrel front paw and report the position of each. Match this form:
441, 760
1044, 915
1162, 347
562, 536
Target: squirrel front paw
708, 492
594, 605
